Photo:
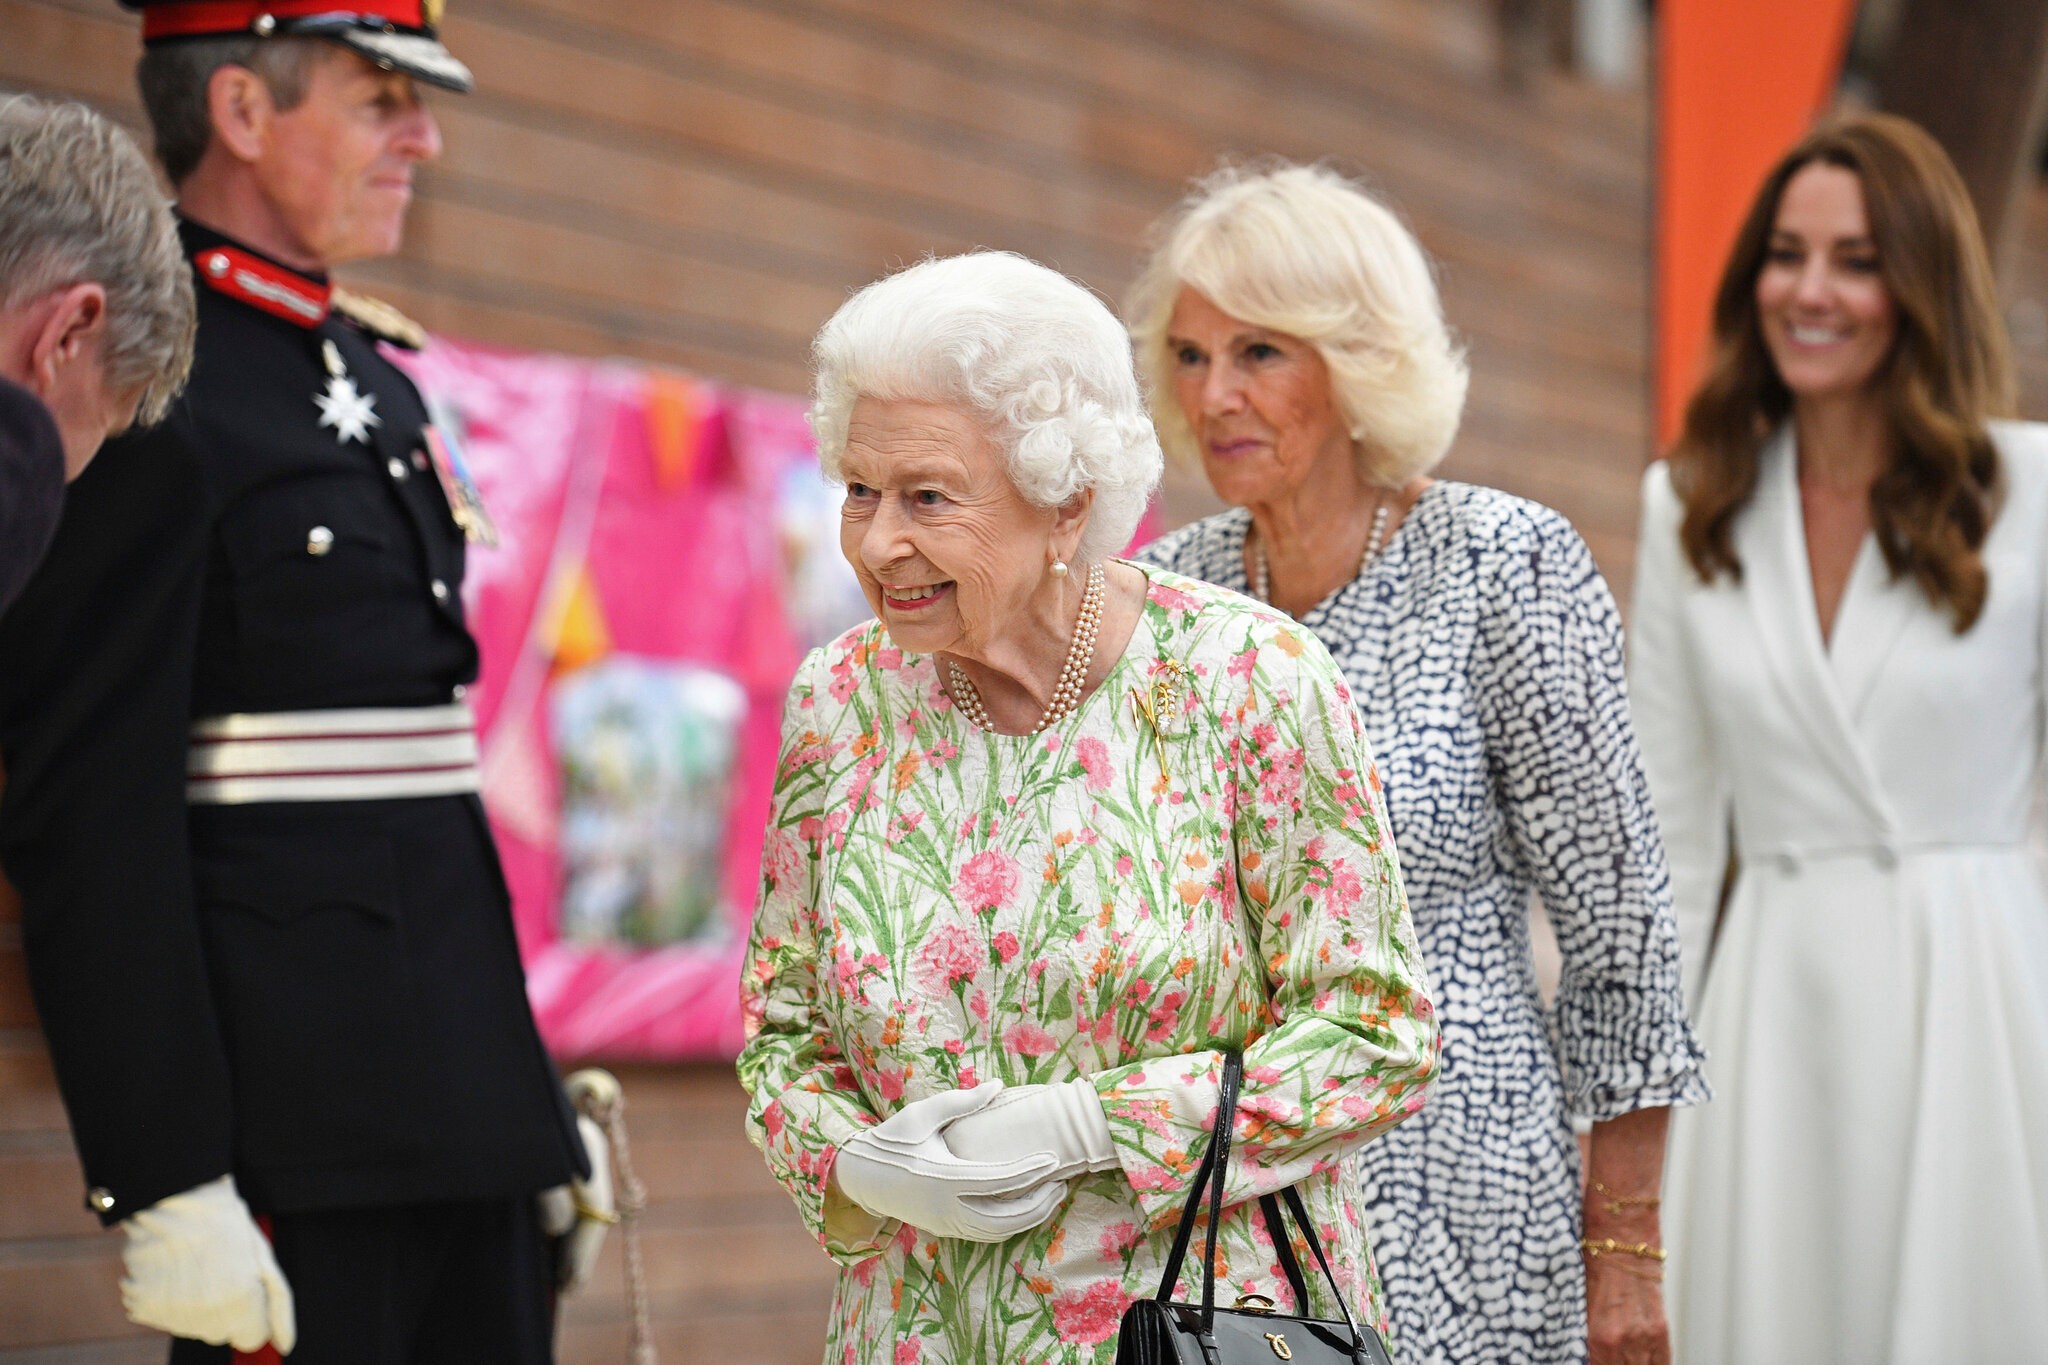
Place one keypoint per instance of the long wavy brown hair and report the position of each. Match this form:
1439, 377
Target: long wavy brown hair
1949, 370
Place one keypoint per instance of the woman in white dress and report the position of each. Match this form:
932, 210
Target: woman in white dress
1839, 659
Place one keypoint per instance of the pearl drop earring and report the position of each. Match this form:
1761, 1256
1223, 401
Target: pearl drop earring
1059, 568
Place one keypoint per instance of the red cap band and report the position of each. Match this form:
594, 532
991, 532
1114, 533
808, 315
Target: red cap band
201, 18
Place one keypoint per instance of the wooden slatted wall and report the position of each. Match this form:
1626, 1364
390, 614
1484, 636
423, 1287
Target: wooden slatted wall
2026, 293
700, 182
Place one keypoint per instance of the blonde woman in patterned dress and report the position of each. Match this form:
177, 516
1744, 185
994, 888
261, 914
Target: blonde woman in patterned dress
1291, 330
1049, 836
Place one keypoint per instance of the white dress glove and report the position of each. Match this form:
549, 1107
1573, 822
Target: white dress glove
1063, 1123
581, 1212
901, 1168
199, 1267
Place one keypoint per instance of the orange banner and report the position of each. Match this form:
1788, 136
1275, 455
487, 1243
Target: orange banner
1738, 82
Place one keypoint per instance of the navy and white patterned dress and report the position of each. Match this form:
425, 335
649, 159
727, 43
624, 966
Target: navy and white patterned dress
1486, 655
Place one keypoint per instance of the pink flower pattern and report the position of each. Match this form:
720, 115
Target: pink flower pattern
1093, 755
1089, 1316
987, 880
952, 955
1030, 1040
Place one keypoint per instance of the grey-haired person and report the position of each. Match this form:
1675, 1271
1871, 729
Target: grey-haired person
95, 310
1051, 836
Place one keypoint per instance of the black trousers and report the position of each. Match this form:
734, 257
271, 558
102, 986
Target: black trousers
426, 1284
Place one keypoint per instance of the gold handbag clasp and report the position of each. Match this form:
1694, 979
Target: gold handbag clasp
1254, 1303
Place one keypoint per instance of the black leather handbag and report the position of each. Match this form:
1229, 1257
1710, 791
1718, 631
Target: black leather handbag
1158, 1331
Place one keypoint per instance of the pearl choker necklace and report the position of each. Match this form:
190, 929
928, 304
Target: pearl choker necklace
1066, 694
1375, 541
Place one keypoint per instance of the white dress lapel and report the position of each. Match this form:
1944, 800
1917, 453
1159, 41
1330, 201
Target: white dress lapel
1874, 611
1778, 585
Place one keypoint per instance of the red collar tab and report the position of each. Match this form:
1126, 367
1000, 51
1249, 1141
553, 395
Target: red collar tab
199, 18
262, 284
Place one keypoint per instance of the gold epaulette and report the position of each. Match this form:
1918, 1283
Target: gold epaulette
379, 319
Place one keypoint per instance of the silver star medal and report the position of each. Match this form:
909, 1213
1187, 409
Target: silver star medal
351, 414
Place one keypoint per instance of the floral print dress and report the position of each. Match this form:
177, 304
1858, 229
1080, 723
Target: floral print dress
1118, 899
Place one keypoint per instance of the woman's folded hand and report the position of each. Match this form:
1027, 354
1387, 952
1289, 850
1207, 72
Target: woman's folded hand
1063, 1124
903, 1169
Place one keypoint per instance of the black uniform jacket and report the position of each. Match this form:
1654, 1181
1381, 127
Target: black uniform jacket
31, 485
324, 998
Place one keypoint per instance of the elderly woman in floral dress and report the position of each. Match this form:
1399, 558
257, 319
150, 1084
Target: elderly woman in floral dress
1049, 836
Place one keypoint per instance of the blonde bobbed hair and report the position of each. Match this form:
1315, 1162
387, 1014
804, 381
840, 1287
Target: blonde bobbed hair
1304, 251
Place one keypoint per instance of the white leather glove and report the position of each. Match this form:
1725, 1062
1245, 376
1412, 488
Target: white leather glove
901, 1168
581, 1212
199, 1267
1063, 1123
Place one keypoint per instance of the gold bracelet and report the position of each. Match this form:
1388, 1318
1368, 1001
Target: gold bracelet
1621, 1203
1607, 1246
1647, 1276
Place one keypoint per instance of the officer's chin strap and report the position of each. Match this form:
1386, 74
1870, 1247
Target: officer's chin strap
597, 1094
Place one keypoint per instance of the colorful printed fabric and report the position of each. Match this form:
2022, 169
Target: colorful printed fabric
1486, 655
1115, 899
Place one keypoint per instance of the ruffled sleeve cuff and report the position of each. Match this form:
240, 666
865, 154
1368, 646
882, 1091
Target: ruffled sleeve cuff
1624, 1048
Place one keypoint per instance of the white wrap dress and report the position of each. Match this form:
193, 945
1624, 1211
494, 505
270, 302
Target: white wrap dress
1871, 1183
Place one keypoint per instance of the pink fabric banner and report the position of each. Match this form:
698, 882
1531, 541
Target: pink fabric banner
640, 518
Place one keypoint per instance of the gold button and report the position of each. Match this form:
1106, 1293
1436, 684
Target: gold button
319, 540
99, 1199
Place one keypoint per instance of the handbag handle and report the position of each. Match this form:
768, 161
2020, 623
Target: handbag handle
1292, 1198
1283, 1249
1211, 1176
1215, 1159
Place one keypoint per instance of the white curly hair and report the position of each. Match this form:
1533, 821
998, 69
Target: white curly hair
1301, 250
1038, 359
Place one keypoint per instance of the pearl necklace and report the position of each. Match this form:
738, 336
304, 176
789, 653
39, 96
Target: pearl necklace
1066, 694
1375, 541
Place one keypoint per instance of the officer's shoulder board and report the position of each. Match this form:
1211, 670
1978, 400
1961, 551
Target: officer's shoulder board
379, 319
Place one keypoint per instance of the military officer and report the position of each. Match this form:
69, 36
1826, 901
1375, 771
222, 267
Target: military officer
266, 928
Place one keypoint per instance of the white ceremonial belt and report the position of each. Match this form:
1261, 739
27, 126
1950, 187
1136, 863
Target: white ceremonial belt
360, 754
